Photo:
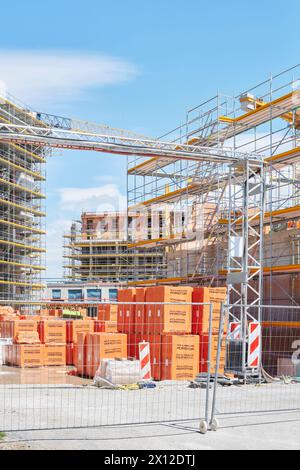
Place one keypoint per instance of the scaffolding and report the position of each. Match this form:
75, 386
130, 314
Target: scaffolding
97, 248
192, 184
247, 212
43, 131
22, 212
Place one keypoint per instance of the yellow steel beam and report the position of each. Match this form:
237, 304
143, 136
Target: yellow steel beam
104, 266
159, 281
264, 106
287, 116
22, 265
25, 227
226, 119
22, 245
168, 196
286, 268
284, 156
22, 188
37, 176
171, 238
21, 149
113, 255
23, 208
22, 111
270, 269
281, 324
23, 284
289, 212
91, 244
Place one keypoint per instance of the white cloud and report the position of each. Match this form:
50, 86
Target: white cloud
101, 198
44, 77
107, 178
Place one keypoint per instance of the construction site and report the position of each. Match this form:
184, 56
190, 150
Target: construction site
196, 286
98, 249
178, 207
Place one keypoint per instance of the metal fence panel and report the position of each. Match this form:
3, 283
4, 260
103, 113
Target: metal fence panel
272, 383
52, 397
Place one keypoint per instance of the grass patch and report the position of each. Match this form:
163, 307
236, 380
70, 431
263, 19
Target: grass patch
2, 435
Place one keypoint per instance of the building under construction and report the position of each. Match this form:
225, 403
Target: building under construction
22, 177
96, 248
224, 185
246, 216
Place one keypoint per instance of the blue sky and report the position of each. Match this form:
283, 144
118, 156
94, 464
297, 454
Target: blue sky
136, 65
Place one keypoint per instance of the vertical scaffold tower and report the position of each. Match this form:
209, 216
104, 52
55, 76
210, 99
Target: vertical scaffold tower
22, 176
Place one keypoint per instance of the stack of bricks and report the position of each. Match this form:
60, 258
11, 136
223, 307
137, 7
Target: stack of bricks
53, 336
176, 330
103, 342
167, 317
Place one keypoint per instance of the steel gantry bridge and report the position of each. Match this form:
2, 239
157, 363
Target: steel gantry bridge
115, 141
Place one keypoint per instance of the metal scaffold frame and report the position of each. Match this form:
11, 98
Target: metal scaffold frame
245, 248
188, 168
106, 254
22, 178
264, 120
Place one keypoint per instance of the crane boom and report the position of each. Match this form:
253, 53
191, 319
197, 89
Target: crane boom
116, 143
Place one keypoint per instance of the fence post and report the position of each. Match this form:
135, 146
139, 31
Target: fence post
213, 421
208, 363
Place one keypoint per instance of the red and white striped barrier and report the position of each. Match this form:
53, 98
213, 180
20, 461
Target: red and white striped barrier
254, 345
144, 353
235, 331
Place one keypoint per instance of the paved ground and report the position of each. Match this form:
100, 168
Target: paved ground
62, 412
260, 431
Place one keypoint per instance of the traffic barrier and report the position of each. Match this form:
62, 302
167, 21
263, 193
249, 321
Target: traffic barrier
235, 331
254, 345
144, 357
